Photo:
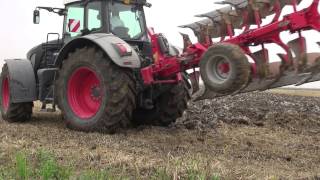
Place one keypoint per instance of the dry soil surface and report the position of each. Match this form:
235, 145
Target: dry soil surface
249, 136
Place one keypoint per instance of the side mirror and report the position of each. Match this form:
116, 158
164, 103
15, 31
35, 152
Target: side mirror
36, 16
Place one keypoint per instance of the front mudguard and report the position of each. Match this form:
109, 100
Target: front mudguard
22, 81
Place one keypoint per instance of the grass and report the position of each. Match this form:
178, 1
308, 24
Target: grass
48, 167
44, 165
21, 166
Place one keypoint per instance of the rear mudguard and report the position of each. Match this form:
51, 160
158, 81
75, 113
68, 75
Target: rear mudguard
106, 43
22, 81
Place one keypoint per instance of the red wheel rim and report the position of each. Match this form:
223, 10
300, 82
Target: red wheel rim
223, 68
84, 93
5, 94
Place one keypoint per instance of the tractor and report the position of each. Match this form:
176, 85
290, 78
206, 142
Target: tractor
109, 71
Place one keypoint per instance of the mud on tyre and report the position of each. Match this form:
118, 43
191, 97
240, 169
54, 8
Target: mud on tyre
93, 93
12, 112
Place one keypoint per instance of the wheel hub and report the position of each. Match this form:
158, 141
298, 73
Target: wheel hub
223, 69
218, 69
95, 93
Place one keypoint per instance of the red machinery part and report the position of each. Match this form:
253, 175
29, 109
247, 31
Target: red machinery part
84, 93
307, 19
5, 94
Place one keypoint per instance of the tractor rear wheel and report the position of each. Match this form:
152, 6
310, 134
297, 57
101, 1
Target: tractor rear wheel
93, 93
12, 112
168, 108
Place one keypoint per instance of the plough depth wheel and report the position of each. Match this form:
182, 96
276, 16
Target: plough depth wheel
225, 68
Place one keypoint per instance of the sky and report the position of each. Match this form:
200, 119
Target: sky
18, 34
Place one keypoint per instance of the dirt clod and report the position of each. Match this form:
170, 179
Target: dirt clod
256, 109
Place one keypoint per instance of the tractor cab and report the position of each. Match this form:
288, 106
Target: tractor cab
123, 18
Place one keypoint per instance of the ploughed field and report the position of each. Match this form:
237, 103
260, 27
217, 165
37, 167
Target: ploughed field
249, 136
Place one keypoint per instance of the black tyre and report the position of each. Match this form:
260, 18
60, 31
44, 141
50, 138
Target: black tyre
12, 112
93, 93
168, 108
225, 68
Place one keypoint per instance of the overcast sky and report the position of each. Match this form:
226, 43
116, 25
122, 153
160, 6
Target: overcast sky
18, 34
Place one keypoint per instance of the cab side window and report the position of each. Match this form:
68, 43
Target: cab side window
75, 20
126, 21
132, 22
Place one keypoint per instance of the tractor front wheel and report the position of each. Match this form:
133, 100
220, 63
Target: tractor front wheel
93, 93
12, 112
168, 107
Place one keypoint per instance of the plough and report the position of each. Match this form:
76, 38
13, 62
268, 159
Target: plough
296, 66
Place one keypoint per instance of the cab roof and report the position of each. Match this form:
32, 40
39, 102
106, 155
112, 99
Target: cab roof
70, 1
144, 2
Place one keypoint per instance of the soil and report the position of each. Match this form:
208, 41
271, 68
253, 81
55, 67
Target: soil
248, 136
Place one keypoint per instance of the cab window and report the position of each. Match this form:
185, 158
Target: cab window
126, 21
94, 15
75, 20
